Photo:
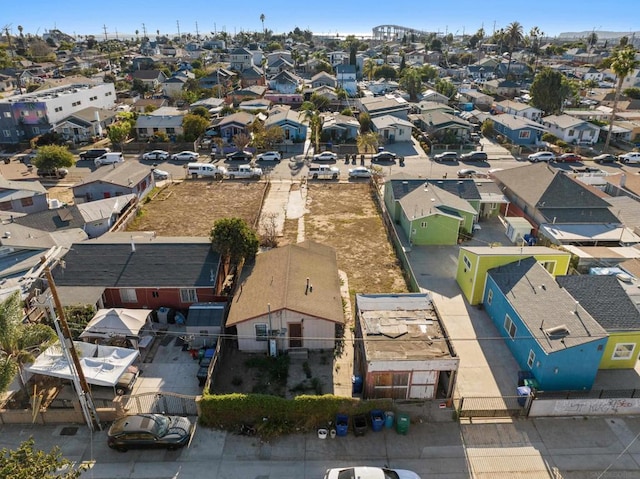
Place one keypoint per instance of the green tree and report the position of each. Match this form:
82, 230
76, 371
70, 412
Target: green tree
513, 38
365, 122
369, 68
411, 82
241, 140
18, 342
368, 142
324, 66
623, 62
428, 73
193, 126
488, 128
273, 136
201, 111
264, 32
320, 102
27, 463
445, 87
53, 156
633, 93
119, 132
234, 240
315, 123
549, 90
385, 71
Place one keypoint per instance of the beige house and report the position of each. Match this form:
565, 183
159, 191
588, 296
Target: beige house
290, 300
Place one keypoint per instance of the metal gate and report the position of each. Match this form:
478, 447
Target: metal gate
153, 402
503, 406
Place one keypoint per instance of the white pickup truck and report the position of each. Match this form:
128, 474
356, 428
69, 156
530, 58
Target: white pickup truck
244, 171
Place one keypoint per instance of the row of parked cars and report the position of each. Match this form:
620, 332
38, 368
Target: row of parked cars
549, 156
453, 156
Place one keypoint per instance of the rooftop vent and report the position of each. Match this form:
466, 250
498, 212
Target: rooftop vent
557, 332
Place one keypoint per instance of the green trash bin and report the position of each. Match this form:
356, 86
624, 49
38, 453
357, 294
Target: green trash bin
402, 424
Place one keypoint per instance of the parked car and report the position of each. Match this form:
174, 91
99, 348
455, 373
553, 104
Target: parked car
185, 156
467, 173
631, 157
474, 156
158, 155
240, 156
384, 156
369, 472
360, 172
324, 172
569, 158
547, 156
446, 156
109, 159
160, 174
149, 430
604, 158
325, 156
57, 173
269, 156
94, 153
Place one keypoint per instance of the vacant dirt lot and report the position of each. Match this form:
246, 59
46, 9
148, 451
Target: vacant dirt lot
190, 208
345, 217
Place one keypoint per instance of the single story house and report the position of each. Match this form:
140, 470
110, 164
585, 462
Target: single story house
22, 196
572, 130
235, 124
118, 179
516, 108
384, 105
518, 130
392, 129
402, 350
149, 78
140, 270
166, 120
475, 261
83, 125
562, 350
291, 121
290, 300
340, 127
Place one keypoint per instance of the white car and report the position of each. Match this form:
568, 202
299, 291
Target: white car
542, 156
109, 159
156, 155
631, 157
368, 472
360, 172
325, 156
185, 156
160, 174
269, 156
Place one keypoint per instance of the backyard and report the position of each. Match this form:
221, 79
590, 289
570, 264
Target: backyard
191, 207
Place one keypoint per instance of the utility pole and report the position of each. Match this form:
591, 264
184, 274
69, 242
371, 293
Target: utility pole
104, 27
197, 33
178, 24
66, 343
144, 31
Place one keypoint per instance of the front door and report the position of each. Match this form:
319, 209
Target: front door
295, 335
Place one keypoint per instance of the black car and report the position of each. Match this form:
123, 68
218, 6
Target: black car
604, 158
474, 156
384, 156
149, 430
94, 153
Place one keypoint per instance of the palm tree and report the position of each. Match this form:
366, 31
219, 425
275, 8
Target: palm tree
137, 32
386, 51
623, 62
369, 68
368, 141
534, 36
262, 17
18, 341
514, 37
315, 122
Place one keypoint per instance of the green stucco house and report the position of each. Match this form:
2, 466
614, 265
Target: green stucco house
475, 261
432, 212
608, 303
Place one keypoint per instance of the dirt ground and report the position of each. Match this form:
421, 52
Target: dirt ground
345, 216
191, 207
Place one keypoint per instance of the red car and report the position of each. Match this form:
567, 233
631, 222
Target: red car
569, 158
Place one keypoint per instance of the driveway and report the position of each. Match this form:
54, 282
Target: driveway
487, 368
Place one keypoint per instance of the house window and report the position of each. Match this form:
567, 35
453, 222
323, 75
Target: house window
489, 297
524, 134
57, 109
509, 327
493, 206
550, 266
36, 130
6, 133
466, 262
7, 114
76, 103
531, 359
423, 224
261, 331
171, 131
5, 206
572, 132
128, 295
623, 351
188, 295
26, 201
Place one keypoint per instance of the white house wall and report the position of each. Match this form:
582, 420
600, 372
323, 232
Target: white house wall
316, 333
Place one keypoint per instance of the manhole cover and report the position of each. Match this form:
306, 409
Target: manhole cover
69, 431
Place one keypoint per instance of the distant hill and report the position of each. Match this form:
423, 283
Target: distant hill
601, 35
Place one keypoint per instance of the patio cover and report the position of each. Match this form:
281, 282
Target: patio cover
108, 323
101, 365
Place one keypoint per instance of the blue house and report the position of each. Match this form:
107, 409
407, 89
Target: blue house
548, 332
519, 131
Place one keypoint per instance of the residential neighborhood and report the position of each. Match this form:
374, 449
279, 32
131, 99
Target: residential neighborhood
283, 234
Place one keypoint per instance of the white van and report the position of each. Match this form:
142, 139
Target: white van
109, 159
324, 172
206, 169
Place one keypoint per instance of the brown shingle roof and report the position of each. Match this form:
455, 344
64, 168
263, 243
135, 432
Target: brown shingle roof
279, 279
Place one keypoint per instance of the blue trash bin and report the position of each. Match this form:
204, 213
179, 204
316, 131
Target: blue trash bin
388, 418
357, 384
377, 420
342, 425
523, 393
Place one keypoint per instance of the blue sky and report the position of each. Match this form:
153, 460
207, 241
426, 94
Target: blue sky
324, 16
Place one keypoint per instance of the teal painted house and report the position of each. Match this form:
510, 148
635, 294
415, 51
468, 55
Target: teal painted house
547, 331
433, 212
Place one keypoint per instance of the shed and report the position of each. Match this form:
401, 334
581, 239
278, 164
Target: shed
517, 228
204, 323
